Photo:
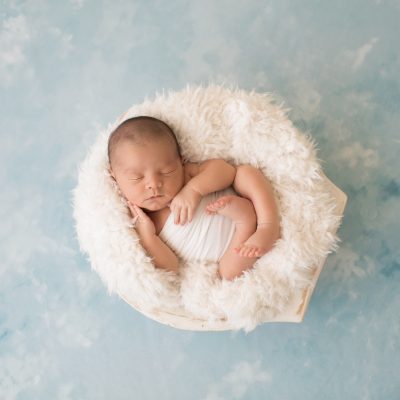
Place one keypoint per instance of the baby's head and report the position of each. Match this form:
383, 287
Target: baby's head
145, 161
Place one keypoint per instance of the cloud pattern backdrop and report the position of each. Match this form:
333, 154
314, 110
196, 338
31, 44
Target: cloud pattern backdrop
69, 68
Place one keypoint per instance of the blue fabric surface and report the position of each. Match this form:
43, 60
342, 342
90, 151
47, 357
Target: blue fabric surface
69, 68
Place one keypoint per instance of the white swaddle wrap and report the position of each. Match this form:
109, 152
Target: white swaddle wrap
206, 237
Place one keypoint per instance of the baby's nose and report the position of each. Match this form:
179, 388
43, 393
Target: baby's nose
154, 183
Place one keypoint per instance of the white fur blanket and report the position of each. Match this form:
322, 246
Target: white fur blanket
240, 127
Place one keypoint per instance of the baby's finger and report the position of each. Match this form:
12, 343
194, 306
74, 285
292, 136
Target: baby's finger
131, 209
177, 213
139, 211
134, 214
190, 215
183, 216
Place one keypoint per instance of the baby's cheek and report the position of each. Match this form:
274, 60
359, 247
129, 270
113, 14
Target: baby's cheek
178, 184
126, 193
137, 194
130, 194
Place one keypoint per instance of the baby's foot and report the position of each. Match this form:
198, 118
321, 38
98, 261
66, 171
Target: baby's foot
258, 243
234, 207
215, 206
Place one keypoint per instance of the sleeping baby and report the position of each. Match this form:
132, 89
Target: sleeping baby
210, 210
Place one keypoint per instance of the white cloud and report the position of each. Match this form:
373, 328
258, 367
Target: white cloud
214, 396
306, 98
20, 33
357, 155
347, 264
359, 101
65, 392
21, 372
87, 284
77, 4
74, 329
23, 238
209, 56
67, 166
65, 45
118, 25
357, 57
235, 384
177, 361
15, 34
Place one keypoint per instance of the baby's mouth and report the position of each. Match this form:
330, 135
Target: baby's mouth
155, 197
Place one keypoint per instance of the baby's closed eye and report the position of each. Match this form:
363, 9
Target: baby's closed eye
169, 172
162, 173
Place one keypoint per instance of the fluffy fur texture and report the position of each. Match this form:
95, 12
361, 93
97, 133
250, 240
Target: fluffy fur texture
240, 127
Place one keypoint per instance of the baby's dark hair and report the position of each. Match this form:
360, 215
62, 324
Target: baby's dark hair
138, 130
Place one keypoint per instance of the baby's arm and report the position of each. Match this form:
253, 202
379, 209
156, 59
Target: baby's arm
211, 176
163, 256
207, 177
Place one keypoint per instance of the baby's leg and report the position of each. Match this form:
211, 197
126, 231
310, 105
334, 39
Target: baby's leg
237, 209
251, 183
241, 211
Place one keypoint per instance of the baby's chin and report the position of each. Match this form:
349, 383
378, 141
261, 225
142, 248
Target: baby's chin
156, 206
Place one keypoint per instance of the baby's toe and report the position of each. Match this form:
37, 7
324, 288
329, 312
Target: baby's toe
239, 250
252, 252
249, 251
243, 251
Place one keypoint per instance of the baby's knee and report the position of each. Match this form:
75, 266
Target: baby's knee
244, 170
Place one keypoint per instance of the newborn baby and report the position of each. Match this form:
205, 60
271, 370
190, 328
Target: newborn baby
146, 163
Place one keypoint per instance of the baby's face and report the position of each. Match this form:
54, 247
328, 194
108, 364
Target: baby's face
144, 171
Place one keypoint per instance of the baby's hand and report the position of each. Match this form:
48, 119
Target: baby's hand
184, 204
142, 223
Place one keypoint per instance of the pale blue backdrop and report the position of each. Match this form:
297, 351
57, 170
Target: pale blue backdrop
68, 68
